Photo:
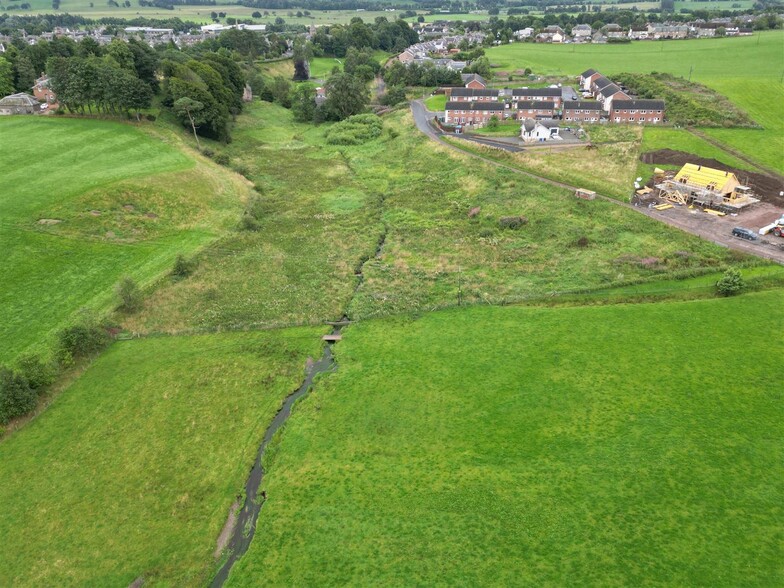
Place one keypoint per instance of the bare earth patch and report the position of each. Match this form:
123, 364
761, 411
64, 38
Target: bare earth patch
228, 529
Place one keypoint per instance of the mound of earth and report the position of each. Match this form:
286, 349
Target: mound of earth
767, 187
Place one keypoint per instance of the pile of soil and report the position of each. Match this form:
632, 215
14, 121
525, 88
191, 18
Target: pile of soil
767, 187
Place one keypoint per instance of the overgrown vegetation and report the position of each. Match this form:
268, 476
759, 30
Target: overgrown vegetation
355, 130
687, 103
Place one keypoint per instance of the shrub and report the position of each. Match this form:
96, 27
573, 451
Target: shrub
129, 294
36, 371
82, 338
207, 152
254, 210
16, 396
182, 267
512, 222
394, 96
486, 233
582, 242
150, 117
730, 283
355, 130
221, 159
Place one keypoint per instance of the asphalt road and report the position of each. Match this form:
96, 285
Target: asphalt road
709, 229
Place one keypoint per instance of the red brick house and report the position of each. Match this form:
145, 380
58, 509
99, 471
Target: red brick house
599, 84
587, 77
538, 95
43, 93
472, 113
610, 93
637, 111
471, 95
474, 81
582, 111
535, 109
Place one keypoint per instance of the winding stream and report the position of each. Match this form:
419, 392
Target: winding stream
245, 527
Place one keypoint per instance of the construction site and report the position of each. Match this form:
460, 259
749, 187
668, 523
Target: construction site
715, 191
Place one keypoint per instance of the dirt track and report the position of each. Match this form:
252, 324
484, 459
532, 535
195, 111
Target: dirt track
767, 187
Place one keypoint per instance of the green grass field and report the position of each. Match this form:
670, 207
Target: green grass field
436, 103
325, 208
128, 203
132, 471
602, 446
745, 69
199, 14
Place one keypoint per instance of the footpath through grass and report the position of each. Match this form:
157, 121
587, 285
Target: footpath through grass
132, 470
104, 199
623, 445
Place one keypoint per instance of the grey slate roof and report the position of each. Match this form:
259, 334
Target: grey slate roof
533, 105
471, 77
608, 91
474, 106
472, 92
602, 82
537, 92
588, 73
638, 104
20, 99
582, 105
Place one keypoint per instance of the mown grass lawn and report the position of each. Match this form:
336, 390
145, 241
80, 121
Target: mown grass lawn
625, 445
436, 103
124, 202
132, 470
745, 69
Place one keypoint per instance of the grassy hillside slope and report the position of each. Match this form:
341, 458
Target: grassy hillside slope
602, 446
745, 69
83, 202
326, 207
132, 470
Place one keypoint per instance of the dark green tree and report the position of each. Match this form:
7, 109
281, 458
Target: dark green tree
346, 95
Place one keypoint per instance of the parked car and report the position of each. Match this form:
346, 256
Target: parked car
742, 233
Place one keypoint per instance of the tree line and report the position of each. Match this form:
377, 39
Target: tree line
382, 34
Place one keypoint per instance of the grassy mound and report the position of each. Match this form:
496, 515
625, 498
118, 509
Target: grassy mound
101, 200
608, 446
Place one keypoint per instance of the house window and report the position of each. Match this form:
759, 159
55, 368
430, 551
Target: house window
617, 119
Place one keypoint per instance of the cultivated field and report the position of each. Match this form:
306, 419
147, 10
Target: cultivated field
745, 69
132, 471
201, 14
606, 446
122, 202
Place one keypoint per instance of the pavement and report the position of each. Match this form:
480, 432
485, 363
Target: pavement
709, 227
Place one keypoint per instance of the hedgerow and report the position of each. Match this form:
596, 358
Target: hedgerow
687, 103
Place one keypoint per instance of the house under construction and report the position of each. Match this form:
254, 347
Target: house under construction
707, 187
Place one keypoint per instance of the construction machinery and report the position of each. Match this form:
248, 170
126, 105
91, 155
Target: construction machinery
775, 228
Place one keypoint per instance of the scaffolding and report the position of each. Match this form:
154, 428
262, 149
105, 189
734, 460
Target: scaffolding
705, 187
